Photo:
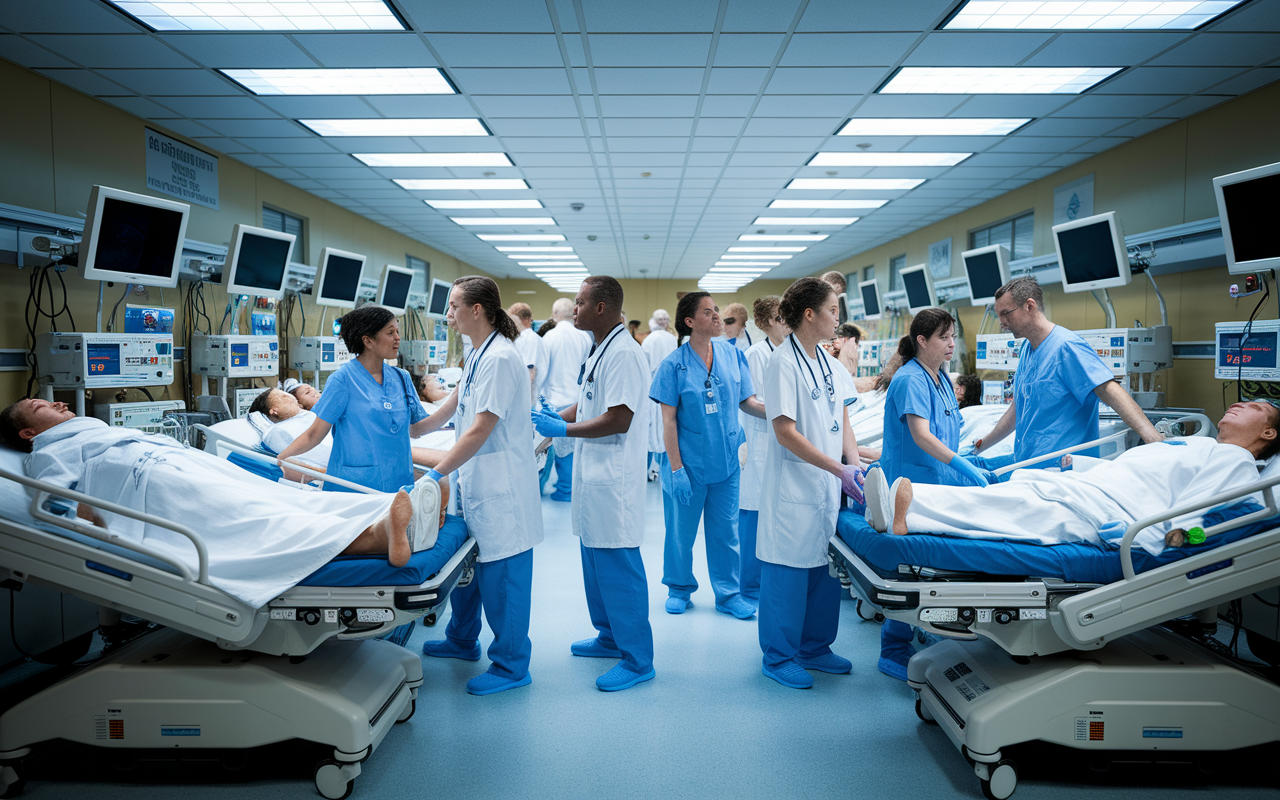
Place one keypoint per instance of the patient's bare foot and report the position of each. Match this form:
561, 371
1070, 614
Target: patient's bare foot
901, 502
396, 529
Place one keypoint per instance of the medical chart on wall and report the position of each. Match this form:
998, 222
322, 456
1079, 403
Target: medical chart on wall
180, 170
940, 259
1074, 200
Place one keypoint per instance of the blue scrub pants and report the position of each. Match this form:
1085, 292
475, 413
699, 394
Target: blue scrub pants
564, 475
618, 601
799, 612
716, 505
748, 523
503, 588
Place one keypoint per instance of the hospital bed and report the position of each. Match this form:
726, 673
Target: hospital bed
220, 675
1062, 643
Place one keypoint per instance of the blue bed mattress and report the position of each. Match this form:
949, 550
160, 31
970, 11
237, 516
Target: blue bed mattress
375, 571
1075, 562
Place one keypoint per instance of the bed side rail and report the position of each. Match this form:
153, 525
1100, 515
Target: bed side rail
45, 491
1202, 429
223, 444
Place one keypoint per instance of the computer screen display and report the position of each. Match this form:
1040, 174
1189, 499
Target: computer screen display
132, 238
870, 292
986, 269
1092, 253
1248, 205
438, 303
919, 287
338, 278
259, 263
393, 292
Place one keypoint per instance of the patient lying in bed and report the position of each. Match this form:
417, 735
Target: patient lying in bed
262, 537
1049, 508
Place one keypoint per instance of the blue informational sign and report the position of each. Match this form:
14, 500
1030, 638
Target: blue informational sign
148, 319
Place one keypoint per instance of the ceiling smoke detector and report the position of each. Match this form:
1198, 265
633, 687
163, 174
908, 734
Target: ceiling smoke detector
577, 206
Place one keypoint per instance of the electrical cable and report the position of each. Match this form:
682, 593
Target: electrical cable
111, 323
1248, 328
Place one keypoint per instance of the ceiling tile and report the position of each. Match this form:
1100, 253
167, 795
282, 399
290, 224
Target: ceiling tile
727, 105
511, 81
221, 144
1142, 127
650, 80
184, 127
536, 127
650, 50
329, 159
113, 50
237, 128
519, 144
1249, 81
82, 80
141, 107
422, 106
988, 105
1114, 105
802, 126
1251, 17
174, 82
1193, 105
497, 49
311, 144
1167, 80
846, 49
747, 49
1037, 144
333, 107
67, 16
825, 81
890, 105
841, 15
661, 16
648, 105
764, 144
488, 16
718, 126
526, 105
805, 105
1104, 48
648, 126
1223, 50
220, 107
760, 15
1055, 126
257, 161
28, 54
255, 50
736, 81
975, 48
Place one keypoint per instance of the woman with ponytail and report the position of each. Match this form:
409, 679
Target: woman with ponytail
921, 436
497, 489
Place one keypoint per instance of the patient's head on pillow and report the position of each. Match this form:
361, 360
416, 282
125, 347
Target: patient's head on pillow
1253, 425
276, 405
24, 420
432, 390
306, 395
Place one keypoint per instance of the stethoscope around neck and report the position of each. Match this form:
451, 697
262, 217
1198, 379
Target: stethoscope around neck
591, 378
828, 378
940, 389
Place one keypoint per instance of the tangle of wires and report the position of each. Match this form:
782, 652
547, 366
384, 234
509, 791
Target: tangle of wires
195, 319
40, 291
1244, 336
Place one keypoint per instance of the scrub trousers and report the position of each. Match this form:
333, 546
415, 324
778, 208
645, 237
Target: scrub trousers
564, 476
748, 524
799, 612
618, 601
503, 588
716, 505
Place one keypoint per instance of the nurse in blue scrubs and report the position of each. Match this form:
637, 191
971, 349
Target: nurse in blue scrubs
371, 407
921, 436
700, 388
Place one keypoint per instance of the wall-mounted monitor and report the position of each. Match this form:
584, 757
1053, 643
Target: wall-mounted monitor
133, 238
393, 289
872, 308
1092, 254
258, 261
845, 313
1248, 205
337, 278
919, 285
986, 269
438, 300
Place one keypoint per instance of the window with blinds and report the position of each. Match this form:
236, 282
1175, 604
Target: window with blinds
276, 220
896, 264
421, 273
1015, 234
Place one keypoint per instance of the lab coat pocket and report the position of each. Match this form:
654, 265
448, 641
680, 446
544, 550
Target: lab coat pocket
601, 461
796, 484
487, 501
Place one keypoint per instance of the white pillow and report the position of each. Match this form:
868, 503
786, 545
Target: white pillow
240, 431
14, 498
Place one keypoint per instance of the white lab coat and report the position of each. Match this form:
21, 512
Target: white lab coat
758, 431
498, 486
567, 348
657, 346
609, 483
798, 507
534, 352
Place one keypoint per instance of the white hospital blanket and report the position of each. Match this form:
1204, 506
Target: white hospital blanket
262, 537
867, 417
977, 422
1050, 508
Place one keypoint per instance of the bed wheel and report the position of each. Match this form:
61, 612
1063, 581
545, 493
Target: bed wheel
878, 617
408, 712
332, 782
923, 713
1003, 780
12, 779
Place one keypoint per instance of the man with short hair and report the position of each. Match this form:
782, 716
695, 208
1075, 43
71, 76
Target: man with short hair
1059, 381
566, 350
839, 285
530, 346
659, 344
735, 326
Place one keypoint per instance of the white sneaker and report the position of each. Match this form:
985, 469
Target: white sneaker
424, 525
879, 500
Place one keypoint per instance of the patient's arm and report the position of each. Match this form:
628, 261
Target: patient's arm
443, 414
1002, 429
427, 456
311, 437
294, 475
89, 514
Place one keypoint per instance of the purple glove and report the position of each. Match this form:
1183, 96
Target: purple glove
851, 481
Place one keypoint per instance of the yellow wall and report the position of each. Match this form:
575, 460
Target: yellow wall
65, 142
1156, 181
642, 297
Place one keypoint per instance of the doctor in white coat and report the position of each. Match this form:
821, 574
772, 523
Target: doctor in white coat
659, 344
608, 426
566, 348
805, 404
497, 489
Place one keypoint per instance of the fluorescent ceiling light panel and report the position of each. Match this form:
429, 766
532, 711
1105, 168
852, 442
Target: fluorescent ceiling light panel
549, 264
782, 237
1097, 15
462, 184
841, 184
462, 126
733, 267
520, 237
996, 80
755, 258
518, 256
828, 159
560, 271
435, 159
387, 80
281, 15
767, 249
492, 222
833, 204
534, 249
802, 222
472, 205
913, 126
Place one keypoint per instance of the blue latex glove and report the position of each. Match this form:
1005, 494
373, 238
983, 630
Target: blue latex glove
435, 476
851, 481
546, 407
681, 489
1112, 532
967, 469
550, 425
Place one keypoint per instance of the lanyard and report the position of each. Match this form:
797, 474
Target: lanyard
466, 389
607, 341
937, 385
770, 343
711, 395
827, 375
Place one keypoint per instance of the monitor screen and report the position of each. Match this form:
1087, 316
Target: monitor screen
870, 299
1251, 207
1258, 352
438, 304
133, 238
261, 262
916, 282
341, 279
1088, 253
984, 274
395, 291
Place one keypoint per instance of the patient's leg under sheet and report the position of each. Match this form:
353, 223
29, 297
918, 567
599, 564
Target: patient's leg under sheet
1023, 510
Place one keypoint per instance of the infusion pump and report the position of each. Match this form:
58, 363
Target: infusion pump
318, 353
235, 356
104, 360
420, 356
1251, 358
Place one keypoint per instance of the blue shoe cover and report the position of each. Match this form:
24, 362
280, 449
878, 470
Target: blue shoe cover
828, 662
737, 607
677, 605
562, 497
445, 648
619, 678
488, 683
591, 648
790, 675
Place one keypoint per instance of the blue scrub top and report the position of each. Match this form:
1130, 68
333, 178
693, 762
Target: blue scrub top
1053, 395
913, 391
370, 426
709, 431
